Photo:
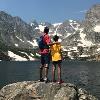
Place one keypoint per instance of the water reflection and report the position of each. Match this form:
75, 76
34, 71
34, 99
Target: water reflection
84, 75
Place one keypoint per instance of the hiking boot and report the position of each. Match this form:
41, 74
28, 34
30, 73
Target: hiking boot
41, 80
45, 79
61, 81
54, 81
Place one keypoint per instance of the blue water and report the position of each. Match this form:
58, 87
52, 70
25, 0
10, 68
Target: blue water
81, 73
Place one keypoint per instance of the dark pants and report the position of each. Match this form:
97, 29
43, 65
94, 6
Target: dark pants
45, 58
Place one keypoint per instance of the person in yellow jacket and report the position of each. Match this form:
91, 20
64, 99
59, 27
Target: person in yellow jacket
56, 57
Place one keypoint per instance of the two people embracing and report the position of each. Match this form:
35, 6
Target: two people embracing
50, 51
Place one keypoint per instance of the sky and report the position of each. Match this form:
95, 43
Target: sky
53, 11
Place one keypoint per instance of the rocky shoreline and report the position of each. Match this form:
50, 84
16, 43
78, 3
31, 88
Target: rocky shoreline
34, 90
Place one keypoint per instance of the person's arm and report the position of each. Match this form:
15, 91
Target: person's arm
61, 54
53, 43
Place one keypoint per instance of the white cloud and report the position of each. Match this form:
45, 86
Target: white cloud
81, 11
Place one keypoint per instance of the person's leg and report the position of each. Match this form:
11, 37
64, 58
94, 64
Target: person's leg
46, 71
41, 72
59, 72
53, 72
41, 67
46, 67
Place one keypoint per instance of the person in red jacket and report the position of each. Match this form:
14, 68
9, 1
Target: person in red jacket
45, 56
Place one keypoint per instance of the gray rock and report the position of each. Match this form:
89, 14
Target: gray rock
33, 90
84, 95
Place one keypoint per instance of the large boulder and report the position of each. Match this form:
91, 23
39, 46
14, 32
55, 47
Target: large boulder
31, 90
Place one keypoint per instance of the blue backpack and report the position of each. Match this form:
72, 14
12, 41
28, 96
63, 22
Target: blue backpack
41, 43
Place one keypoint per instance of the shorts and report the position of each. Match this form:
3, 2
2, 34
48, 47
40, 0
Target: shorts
45, 59
57, 62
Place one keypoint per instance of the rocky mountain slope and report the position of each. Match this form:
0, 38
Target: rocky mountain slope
15, 35
92, 24
19, 38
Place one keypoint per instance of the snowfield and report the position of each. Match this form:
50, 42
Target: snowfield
19, 58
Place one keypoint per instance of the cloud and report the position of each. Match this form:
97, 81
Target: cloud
82, 11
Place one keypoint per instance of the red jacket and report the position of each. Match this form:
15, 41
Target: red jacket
47, 40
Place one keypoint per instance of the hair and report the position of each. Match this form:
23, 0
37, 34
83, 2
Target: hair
55, 38
46, 29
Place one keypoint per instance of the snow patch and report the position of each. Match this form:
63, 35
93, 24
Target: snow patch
83, 41
16, 57
34, 43
70, 20
16, 45
19, 58
68, 34
84, 55
41, 28
97, 28
56, 24
19, 39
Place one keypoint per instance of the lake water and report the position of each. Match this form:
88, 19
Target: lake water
81, 73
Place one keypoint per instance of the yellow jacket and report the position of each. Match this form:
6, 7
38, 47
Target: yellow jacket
56, 51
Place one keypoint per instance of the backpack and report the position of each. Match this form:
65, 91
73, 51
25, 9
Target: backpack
41, 43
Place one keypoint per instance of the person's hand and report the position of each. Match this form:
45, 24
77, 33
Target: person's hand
57, 42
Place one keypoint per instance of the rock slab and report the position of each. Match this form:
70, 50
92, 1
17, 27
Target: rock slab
33, 90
